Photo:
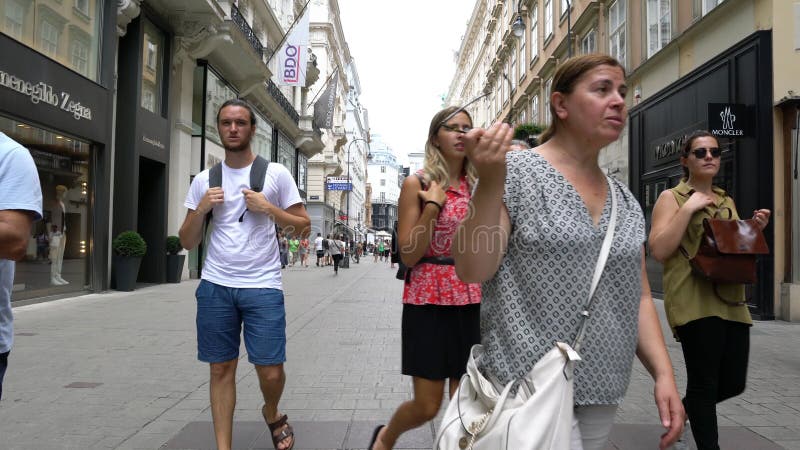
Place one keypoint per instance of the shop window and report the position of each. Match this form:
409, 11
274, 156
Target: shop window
148, 98
217, 92
261, 143
152, 69
589, 42
286, 153
616, 30
659, 25
56, 260
53, 28
302, 172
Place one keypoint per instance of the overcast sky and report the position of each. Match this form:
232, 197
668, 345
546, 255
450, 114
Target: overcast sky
404, 55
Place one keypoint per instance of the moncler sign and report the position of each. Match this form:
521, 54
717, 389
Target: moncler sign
729, 120
42, 92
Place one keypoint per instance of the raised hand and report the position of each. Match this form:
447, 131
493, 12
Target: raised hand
761, 216
256, 201
434, 193
698, 201
486, 150
214, 196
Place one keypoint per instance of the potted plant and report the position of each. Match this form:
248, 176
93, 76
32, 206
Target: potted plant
528, 132
129, 247
174, 260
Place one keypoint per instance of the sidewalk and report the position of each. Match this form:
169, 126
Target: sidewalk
119, 371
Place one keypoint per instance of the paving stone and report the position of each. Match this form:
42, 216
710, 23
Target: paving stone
343, 370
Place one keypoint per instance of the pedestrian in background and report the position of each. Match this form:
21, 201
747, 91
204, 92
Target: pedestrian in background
336, 249
20, 207
283, 248
549, 209
326, 246
319, 249
714, 333
441, 314
294, 244
241, 280
302, 250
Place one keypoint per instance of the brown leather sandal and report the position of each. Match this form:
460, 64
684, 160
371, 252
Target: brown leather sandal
286, 433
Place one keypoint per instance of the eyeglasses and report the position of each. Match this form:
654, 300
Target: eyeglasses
701, 152
464, 129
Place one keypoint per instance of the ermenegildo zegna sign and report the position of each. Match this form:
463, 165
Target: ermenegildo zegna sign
41, 92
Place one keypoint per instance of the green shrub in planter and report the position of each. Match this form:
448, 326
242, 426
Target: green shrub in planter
129, 247
174, 260
129, 243
173, 245
528, 132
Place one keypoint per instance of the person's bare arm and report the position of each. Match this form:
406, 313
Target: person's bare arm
15, 230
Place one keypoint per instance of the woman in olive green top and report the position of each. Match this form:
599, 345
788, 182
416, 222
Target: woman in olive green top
714, 334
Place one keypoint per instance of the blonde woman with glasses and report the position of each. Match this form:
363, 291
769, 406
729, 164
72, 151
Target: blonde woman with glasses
441, 314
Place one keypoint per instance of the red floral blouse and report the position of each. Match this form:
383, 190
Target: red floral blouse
436, 284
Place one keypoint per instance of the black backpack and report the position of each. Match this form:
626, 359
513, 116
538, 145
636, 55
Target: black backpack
258, 173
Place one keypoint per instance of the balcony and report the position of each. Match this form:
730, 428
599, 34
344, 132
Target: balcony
227, 42
247, 31
284, 103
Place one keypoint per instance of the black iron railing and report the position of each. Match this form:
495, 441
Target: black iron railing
247, 31
285, 104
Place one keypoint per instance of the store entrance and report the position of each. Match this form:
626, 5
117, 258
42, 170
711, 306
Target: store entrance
151, 219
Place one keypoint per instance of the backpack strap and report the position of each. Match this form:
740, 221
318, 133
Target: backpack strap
215, 176
258, 173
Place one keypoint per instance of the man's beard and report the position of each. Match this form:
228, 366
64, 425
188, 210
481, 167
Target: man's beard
243, 145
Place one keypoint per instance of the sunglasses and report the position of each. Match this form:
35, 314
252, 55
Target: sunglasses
701, 152
456, 129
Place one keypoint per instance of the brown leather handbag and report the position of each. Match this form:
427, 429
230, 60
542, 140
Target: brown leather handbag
728, 251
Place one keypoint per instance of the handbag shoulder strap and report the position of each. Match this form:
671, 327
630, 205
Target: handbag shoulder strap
605, 249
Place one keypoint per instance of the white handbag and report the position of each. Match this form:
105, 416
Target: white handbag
539, 416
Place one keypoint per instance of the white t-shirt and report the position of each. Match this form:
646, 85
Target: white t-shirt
244, 254
318, 243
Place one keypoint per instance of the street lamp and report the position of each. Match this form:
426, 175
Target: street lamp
349, 181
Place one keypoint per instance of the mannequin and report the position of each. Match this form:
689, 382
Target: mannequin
58, 237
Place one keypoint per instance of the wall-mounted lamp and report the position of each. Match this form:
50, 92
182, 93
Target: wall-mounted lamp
518, 27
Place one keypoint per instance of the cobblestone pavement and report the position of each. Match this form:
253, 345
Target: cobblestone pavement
119, 371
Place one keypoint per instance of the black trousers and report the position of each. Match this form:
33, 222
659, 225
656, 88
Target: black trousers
336, 260
716, 353
3, 367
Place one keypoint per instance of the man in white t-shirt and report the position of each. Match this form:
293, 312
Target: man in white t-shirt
241, 276
319, 248
20, 206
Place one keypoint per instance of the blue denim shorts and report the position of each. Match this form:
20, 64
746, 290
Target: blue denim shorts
221, 311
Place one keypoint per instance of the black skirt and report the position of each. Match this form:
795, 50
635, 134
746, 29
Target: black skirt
436, 339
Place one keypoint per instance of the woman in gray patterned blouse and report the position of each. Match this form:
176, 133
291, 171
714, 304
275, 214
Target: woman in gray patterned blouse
550, 207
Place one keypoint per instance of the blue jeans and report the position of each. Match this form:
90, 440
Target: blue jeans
221, 312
